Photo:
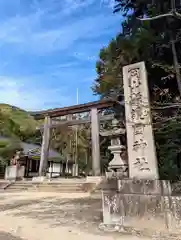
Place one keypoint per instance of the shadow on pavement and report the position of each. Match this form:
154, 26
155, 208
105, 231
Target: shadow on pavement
8, 236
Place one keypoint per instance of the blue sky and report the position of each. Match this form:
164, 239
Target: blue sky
48, 49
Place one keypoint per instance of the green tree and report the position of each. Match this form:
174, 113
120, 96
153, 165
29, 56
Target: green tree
8, 148
73, 141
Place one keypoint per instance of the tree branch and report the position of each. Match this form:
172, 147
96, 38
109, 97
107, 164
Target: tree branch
170, 14
167, 120
157, 17
177, 15
167, 107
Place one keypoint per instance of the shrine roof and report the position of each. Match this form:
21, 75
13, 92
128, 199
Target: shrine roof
34, 150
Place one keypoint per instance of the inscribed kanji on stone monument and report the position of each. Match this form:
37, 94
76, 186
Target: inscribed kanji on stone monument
141, 148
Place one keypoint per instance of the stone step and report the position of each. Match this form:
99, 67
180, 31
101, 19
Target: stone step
45, 190
46, 187
46, 184
43, 186
58, 185
58, 180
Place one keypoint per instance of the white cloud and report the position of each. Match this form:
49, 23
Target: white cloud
83, 56
23, 95
108, 3
28, 35
72, 5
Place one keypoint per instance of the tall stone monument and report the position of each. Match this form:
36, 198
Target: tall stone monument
140, 140
141, 202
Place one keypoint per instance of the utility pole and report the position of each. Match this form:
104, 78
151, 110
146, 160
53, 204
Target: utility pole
76, 133
175, 14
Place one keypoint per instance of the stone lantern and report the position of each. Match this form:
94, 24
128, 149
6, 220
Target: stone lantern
118, 166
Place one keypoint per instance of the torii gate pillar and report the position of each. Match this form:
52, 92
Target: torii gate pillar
45, 147
95, 142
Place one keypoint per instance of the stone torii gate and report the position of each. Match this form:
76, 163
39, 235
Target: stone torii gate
94, 119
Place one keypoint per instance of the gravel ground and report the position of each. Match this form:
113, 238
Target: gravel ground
8, 236
84, 214
37, 216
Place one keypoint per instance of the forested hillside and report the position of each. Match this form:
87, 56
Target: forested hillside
16, 122
17, 125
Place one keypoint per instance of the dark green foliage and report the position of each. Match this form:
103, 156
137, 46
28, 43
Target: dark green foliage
7, 149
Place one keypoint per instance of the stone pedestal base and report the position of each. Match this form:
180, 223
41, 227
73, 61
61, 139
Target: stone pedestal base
145, 205
120, 173
75, 170
39, 179
144, 187
14, 172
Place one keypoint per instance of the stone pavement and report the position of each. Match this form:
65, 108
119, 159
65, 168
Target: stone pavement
37, 216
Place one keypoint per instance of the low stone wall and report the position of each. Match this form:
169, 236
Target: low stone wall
142, 205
